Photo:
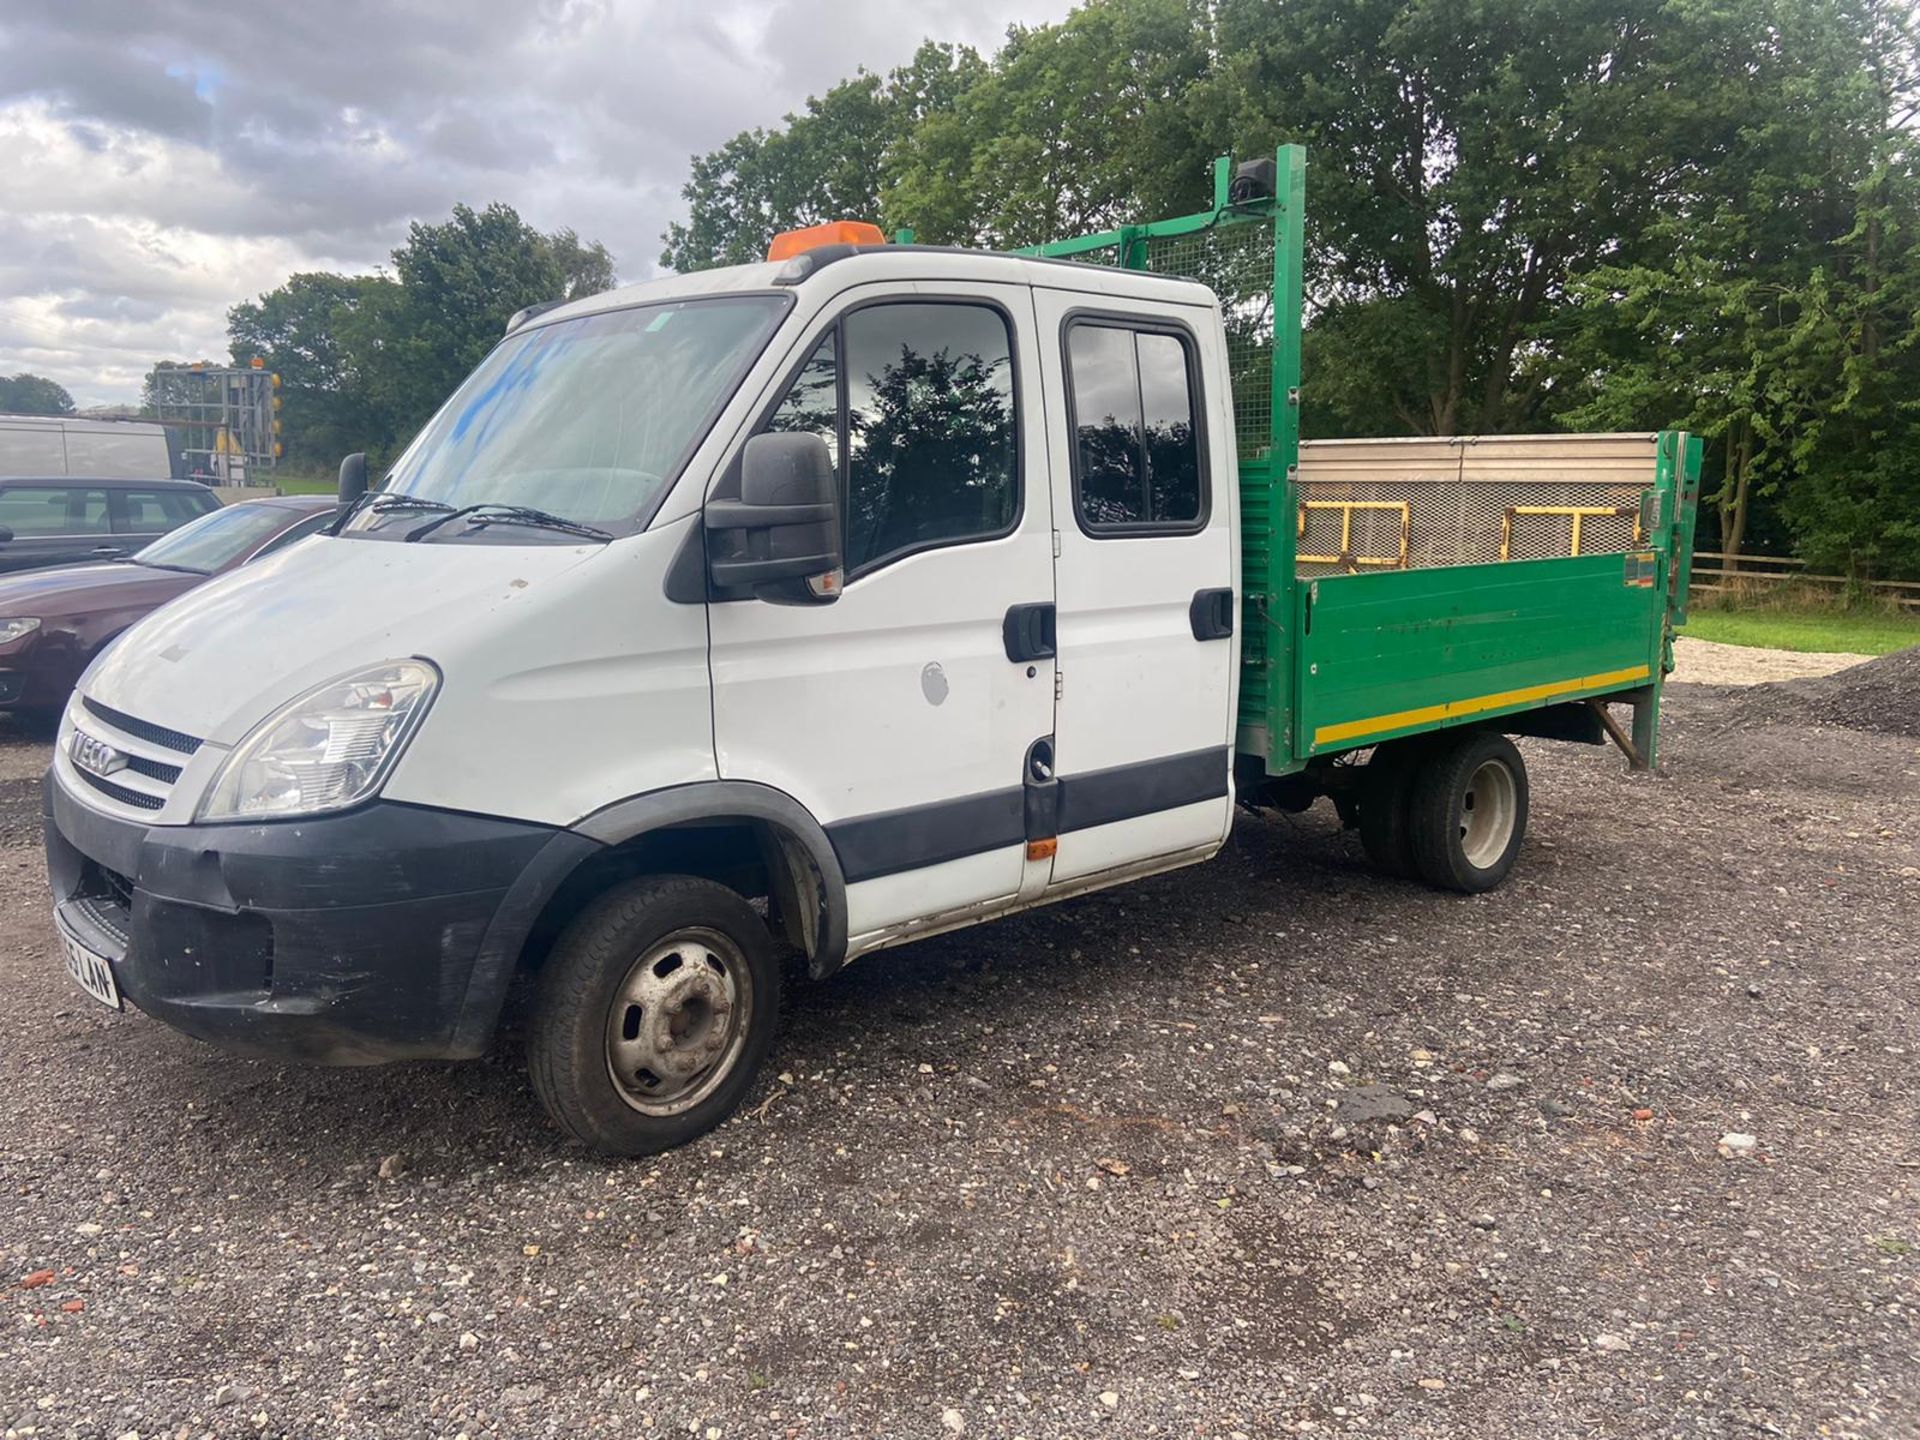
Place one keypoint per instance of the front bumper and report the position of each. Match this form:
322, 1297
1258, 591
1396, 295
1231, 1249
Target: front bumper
387, 932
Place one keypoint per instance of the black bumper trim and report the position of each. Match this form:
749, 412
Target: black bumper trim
387, 932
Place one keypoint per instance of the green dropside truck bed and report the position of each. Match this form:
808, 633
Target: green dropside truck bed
1397, 587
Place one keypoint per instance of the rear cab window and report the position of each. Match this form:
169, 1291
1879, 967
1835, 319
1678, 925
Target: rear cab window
1134, 406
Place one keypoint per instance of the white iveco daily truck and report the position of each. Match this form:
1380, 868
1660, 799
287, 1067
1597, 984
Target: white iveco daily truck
865, 593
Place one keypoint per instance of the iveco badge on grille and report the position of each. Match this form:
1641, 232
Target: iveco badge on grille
96, 757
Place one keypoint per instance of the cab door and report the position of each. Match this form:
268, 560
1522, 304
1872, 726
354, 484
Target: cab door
898, 714
1146, 580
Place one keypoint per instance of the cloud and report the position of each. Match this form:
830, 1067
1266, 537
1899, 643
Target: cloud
162, 167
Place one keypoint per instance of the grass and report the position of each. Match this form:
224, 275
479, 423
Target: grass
305, 485
1860, 630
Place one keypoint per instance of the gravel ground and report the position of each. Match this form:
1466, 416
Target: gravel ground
1707, 662
1271, 1146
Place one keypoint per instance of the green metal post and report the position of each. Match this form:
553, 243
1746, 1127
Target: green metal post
1677, 477
1285, 741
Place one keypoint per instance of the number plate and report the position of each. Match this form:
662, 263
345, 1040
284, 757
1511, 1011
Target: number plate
91, 972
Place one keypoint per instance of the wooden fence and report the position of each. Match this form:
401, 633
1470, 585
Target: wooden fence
1757, 574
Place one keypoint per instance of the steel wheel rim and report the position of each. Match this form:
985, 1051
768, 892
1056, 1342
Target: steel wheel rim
1488, 812
678, 1020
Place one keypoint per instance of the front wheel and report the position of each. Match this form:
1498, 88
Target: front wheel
1468, 813
656, 1009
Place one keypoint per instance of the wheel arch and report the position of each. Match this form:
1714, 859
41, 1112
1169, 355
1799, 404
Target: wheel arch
751, 837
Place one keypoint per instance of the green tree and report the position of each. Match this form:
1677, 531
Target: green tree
834, 161
364, 360
299, 331
26, 394
1072, 128
1770, 307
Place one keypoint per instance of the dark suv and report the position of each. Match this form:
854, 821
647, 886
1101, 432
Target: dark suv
59, 522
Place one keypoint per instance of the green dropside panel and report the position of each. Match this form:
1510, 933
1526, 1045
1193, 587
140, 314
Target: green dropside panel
1400, 651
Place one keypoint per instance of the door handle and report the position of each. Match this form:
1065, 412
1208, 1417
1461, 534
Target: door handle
1211, 614
108, 550
1028, 631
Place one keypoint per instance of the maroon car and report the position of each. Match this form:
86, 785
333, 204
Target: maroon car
53, 622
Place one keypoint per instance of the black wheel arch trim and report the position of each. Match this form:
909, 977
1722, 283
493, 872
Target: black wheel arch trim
706, 800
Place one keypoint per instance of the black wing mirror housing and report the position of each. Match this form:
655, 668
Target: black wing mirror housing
780, 541
353, 478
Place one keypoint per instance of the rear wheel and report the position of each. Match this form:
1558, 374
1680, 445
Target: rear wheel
656, 1009
1386, 791
1468, 812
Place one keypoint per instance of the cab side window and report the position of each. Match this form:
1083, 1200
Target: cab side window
1137, 465
916, 404
812, 404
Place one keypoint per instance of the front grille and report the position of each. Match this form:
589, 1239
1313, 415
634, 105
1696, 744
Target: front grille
154, 769
145, 729
142, 761
112, 883
139, 799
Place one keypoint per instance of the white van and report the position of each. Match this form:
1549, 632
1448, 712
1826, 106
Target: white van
52, 447
847, 599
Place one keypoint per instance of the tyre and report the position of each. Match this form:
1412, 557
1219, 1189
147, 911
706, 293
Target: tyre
1468, 812
1386, 788
655, 1011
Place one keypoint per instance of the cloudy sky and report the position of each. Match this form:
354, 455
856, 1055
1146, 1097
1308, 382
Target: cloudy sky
165, 158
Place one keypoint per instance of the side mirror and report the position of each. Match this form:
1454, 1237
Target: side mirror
781, 538
353, 478
6, 535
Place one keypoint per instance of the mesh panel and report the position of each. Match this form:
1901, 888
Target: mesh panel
1108, 255
1236, 263
1448, 521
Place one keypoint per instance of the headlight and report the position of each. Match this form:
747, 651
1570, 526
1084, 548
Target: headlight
326, 750
12, 630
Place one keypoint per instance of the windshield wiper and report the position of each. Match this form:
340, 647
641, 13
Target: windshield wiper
381, 502
492, 512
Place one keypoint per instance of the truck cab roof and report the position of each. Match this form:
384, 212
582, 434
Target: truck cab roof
838, 267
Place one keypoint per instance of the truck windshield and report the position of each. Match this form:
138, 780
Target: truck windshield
585, 419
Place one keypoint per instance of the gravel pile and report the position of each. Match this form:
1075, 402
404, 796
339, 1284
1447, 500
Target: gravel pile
1881, 695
